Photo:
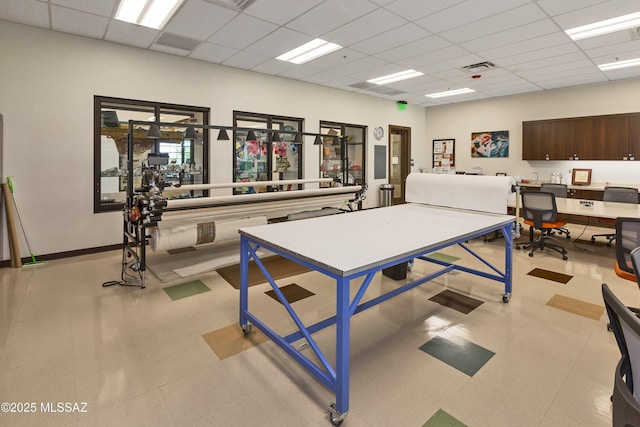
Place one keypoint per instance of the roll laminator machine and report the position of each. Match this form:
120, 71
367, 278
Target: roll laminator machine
152, 217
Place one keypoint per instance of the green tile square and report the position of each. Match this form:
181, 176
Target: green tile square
458, 353
184, 290
439, 256
443, 419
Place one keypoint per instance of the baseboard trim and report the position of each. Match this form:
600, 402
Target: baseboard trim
67, 254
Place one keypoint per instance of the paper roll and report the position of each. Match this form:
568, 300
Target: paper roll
471, 192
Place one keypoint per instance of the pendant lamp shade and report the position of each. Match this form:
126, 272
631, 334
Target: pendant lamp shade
154, 132
191, 133
251, 136
275, 137
318, 140
222, 135
298, 138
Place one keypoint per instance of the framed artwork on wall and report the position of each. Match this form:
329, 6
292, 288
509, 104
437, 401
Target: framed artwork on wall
444, 155
490, 144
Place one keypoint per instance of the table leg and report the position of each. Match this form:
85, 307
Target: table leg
338, 411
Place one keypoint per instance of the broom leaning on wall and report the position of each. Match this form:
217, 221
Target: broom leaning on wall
13, 239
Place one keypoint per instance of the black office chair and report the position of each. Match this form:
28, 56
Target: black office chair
540, 212
627, 240
620, 195
626, 329
559, 190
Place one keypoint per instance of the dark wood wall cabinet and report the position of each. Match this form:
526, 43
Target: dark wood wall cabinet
610, 137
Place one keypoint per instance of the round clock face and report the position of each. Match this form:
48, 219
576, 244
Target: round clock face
378, 132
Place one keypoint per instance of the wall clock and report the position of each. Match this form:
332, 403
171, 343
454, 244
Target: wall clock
378, 132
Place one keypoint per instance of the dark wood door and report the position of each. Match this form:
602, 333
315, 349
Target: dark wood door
399, 160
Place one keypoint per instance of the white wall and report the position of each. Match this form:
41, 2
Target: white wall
460, 120
47, 84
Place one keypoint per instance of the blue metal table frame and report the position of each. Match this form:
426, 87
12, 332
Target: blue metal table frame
336, 378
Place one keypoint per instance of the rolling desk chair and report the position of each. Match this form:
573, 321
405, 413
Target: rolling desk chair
627, 239
616, 194
540, 212
559, 190
626, 329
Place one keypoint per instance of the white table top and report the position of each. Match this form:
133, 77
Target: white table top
599, 209
350, 243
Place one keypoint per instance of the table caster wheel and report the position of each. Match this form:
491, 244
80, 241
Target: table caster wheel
564, 257
246, 329
336, 422
506, 298
531, 254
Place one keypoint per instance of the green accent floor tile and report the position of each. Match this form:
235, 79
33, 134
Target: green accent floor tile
439, 256
443, 419
184, 290
458, 353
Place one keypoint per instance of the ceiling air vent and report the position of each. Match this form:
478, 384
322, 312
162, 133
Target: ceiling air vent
480, 66
237, 5
372, 87
177, 42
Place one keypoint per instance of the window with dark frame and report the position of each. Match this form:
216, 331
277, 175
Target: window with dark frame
261, 159
111, 120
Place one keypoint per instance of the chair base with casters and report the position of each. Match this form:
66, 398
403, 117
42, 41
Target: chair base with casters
626, 409
609, 236
545, 240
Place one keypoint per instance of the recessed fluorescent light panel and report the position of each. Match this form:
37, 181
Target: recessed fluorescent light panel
604, 27
396, 77
450, 93
148, 13
620, 64
308, 51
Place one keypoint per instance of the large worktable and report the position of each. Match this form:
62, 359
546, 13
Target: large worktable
359, 245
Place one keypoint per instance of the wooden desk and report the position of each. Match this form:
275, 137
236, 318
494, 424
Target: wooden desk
599, 209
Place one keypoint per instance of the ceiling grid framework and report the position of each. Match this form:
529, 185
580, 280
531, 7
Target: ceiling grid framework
524, 39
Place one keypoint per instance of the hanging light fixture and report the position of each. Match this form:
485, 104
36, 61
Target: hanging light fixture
275, 137
298, 138
318, 140
222, 135
154, 132
251, 136
191, 133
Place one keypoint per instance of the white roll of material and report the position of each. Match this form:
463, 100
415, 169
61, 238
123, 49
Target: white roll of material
164, 239
471, 192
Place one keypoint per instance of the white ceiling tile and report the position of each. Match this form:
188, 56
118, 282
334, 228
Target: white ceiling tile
242, 31
546, 62
280, 41
358, 66
336, 59
29, 12
546, 42
464, 13
440, 55
391, 39
329, 15
322, 77
415, 9
557, 7
534, 55
514, 35
623, 73
374, 72
362, 28
169, 50
130, 34
211, 52
559, 70
197, 19
298, 72
280, 11
102, 7
606, 40
495, 24
80, 23
418, 47
598, 12
579, 80
381, 2
273, 66
246, 60
614, 51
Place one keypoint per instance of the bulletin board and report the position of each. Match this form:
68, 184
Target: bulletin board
444, 155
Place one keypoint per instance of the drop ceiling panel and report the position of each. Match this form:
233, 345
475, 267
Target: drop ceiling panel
330, 15
615, 51
362, 28
242, 31
199, 20
495, 24
546, 43
280, 41
321, 77
273, 66
558, 7
280, 11
298, 72
433, 58
535, 55
104, 8
559, 70
465, 13
211, 52
606, 39
597, 12
80, 23
525, 32
246, 60
358, 66
133, 35
336, 59
418, 47
583, 79
28, 12
391, 39
549, 62
415, 9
